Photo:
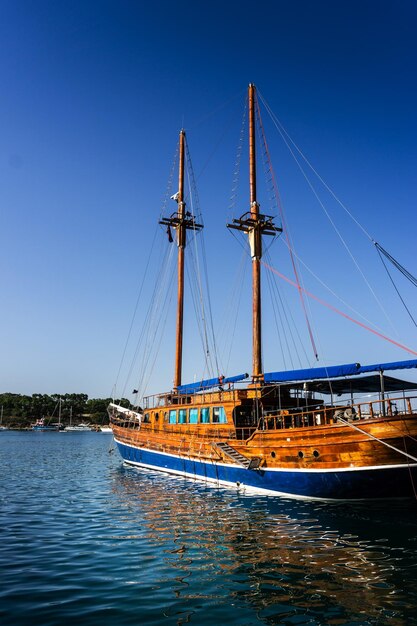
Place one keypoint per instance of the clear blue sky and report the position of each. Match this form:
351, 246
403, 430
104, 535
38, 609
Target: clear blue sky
93, 96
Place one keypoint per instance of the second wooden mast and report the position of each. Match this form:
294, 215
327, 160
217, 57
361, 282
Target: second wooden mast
181, 242
255, 225
255, 240
181, 221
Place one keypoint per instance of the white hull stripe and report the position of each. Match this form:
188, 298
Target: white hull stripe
304, 470
247, 489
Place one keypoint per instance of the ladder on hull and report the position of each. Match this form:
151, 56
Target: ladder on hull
238, 458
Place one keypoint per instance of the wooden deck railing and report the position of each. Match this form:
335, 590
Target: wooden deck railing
331, 414
172, 400
296, 417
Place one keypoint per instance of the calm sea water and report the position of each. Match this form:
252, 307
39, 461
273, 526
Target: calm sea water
83, 538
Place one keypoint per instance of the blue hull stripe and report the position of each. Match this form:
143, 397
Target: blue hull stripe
351, 483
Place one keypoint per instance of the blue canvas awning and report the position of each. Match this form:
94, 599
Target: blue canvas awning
313, 373
356, 384
383, 367
335, 371
209, 383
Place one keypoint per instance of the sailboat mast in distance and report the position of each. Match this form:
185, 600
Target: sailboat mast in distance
255, 225
181, 221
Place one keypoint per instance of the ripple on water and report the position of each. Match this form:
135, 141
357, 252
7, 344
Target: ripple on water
84, 539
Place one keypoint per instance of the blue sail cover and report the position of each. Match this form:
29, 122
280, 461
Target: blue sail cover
334, 371
313, 373
209, 383
382, 367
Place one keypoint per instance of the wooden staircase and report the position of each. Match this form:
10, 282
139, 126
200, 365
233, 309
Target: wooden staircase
238, 458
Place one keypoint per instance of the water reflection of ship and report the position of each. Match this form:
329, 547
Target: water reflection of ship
279, 556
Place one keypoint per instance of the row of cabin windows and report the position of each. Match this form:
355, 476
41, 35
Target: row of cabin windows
198, 416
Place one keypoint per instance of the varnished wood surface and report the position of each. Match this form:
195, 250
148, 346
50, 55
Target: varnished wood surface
319, 447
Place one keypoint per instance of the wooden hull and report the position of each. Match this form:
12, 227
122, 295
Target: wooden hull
364, 460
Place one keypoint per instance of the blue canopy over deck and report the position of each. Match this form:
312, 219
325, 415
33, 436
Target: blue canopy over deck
335, 371
310, 374
202, 385
383, 367
313, 373
358, 384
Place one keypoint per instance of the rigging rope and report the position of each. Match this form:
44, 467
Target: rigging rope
381, 251
330, 306
144, 385
202, 320
346, 304
287, 235
168, 192
224, 104
332, 193
274, 308
398, 265
153, 302
201, 325
161, 297
236, 172
194, 195
274, 286
346, 423
135, 311
229, 322
285, 135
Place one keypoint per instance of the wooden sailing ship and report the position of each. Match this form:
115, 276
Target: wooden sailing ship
269, 432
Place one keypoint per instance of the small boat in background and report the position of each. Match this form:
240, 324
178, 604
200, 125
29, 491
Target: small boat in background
42, 426
78, 428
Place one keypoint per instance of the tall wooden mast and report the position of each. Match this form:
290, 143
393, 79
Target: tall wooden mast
255, 225
181, 241
255, 238
181, 221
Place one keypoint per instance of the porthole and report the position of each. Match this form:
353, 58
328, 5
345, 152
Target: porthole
273, 454
316, 454
301, 455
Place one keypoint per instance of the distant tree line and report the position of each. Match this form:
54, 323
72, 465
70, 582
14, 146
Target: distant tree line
20, 410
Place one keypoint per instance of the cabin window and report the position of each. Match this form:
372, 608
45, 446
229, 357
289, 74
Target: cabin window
172, 417
166, 417
219, 415
193, 416
182, 416
147, 418
205, 415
